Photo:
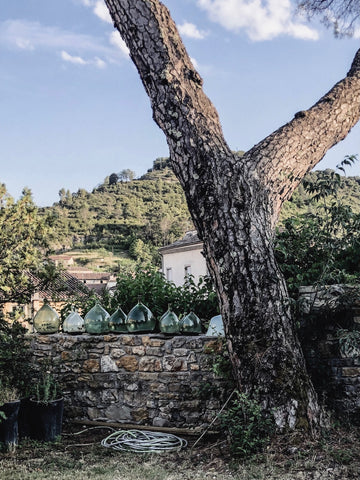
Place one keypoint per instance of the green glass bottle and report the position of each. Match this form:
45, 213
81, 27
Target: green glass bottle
46, 320
190, 324
169, 323
117, 322
97, 320
73, 323
140, 319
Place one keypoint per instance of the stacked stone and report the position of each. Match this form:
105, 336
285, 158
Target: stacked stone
139, 379
336, 375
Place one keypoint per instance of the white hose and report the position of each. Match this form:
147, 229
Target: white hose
143, 441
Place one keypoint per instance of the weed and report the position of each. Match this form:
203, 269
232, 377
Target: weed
248, 428
349, 342
46, 389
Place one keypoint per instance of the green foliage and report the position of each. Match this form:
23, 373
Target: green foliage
156, 293
248, 428
349, 342
23, 242
139, 216
321, 245
220, 365
15, 365
219, 361
46, 389
7, 394
117, 214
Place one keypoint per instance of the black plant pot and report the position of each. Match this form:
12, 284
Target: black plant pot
45, 419
9, 427
24, 418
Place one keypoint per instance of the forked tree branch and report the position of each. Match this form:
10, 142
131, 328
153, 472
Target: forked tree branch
179, 105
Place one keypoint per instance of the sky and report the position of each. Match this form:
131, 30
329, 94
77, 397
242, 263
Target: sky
73, 109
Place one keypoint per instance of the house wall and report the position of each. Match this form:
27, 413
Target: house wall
177, 261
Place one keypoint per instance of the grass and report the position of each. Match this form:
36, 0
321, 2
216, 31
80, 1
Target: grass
335, 456
101, 259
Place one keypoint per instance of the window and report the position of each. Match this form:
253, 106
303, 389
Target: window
169, 274
187, 270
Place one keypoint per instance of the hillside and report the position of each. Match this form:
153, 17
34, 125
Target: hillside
133, 218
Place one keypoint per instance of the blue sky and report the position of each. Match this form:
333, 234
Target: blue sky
73, 109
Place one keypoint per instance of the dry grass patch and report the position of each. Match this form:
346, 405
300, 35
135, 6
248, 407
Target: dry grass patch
335, 456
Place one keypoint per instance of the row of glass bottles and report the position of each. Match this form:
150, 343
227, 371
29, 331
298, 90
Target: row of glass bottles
98, 321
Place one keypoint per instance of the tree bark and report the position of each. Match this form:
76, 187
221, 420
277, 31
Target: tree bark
235, 202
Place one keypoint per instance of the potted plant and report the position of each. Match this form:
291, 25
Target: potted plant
45, 409
9, 410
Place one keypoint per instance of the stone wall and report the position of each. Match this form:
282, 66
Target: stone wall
326, 312
135, 379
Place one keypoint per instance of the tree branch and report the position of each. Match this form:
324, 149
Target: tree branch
191, 123
286, 155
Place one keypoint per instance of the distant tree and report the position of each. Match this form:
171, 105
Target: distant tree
161, 162
23, 242
62, 195
342, 15
68, 197
81, 193
141, 252
113, 179
126, 175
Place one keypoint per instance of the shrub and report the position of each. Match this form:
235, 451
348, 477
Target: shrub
247, 426
15, 365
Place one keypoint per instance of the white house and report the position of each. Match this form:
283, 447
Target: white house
184, 257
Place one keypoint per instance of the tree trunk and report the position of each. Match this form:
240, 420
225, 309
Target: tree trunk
235, 202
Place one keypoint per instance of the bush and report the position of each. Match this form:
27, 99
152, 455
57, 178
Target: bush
157, 293
15, 366
150, 286
247, 426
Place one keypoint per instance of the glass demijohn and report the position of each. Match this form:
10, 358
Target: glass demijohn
190, 324
46, 320
169, 323
216, 327
74, 323
140, 319
117, 322
97, 320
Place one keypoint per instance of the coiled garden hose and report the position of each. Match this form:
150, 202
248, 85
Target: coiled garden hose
143, 441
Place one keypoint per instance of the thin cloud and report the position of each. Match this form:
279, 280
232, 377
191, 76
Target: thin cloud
72, 59
77, 60
116, 40
30, 36
99, 63
190, 30
98, 7
101, 11
26, 34
259, 20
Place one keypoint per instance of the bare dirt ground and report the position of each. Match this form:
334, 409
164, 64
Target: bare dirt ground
80, 456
